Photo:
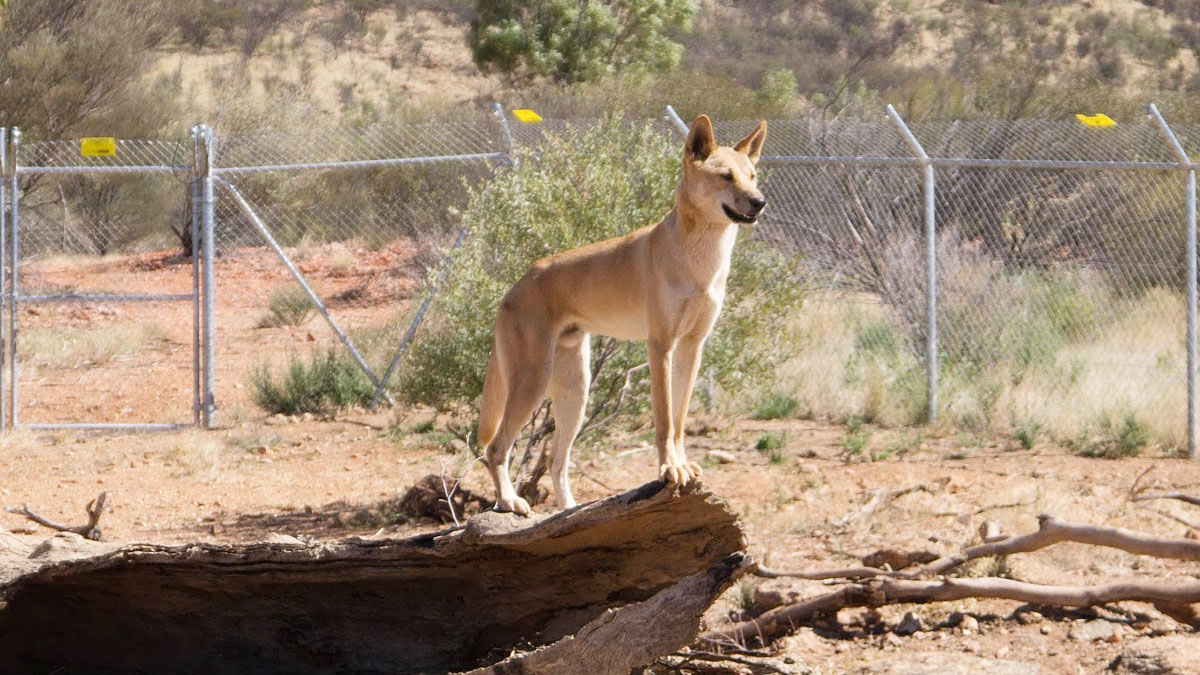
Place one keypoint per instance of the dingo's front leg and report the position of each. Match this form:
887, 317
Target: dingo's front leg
686, 363
671, 467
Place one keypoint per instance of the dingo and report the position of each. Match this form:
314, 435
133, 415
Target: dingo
663, 284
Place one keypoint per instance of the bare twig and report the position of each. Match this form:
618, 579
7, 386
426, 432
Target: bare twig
1190, 499
966, 515
1137, 492
95, 509
724, 658
1182, 521
449, 491
820, 575
625, 389
879, 499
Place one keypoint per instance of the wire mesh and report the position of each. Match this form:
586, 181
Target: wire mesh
1060, 290
362, 237
164, 154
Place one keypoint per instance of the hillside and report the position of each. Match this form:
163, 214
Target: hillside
412, 53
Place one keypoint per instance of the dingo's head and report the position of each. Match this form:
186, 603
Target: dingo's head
720, 182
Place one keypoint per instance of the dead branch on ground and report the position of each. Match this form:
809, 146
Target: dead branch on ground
880, 592
1137, 492
686, 660
878, 586
91, 530
879, 500
1052, 531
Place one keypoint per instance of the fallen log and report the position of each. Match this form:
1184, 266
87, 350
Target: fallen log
643, 564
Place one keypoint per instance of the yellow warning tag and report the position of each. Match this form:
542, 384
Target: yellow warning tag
527, 116
1097, 120
102, 146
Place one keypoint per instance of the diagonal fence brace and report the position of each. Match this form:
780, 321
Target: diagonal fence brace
312, 295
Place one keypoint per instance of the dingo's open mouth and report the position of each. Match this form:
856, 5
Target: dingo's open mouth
737, 217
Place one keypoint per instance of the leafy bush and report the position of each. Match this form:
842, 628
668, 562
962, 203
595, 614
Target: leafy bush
569, 42
1026, 433
327, 383
581, 187
289, 307
1124, 439
776, 406
772, 444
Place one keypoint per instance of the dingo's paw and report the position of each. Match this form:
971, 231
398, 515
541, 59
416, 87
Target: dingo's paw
514, 504
680, 474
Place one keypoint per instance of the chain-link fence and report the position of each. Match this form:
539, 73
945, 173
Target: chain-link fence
1058, 255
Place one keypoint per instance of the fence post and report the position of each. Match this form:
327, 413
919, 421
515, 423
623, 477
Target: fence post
1190, 196
930, 192
207, 277
14, 291
197, 204
3, 279
505, 130
674, 118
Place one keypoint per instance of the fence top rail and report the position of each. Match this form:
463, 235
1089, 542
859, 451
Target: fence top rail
966, 162
360, 164
130, 155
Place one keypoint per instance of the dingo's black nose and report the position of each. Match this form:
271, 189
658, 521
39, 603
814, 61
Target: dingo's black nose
758, 203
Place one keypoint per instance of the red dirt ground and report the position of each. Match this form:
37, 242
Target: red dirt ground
257, 475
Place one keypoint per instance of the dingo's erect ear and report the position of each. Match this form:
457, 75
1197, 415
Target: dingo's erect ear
751, 146
700, 141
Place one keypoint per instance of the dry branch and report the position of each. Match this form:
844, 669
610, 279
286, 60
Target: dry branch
95, 509
879, 499
875, 587
1052, 531
880, 592
1168, 495
1137, 492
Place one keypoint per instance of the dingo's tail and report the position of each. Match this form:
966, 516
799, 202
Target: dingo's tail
491, 409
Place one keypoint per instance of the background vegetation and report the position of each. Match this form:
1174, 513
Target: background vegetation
330, 69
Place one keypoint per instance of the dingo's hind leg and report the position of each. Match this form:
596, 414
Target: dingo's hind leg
526, 363
569, 384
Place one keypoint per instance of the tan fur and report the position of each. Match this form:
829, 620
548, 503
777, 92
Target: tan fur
664, 284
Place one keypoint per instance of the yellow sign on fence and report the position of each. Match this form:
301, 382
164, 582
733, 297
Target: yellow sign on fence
527, 116
102, 146
1097, 120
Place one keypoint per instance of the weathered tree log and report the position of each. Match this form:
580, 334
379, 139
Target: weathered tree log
451, 601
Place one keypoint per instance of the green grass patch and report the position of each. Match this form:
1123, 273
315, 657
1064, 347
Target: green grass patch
325, 384
776, 406
289, 306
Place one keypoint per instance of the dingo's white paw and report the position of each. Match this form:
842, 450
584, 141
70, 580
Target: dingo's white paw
680, 474
514, 504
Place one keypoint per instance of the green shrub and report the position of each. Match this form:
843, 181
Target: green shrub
772, 443
577, 188
776, 406
325, 384
289, 307
1026, 433
1124, 439
856, 437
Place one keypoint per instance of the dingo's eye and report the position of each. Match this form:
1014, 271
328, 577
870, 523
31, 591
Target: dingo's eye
728, 176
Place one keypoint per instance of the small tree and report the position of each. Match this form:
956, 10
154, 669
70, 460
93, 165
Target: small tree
577, 40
